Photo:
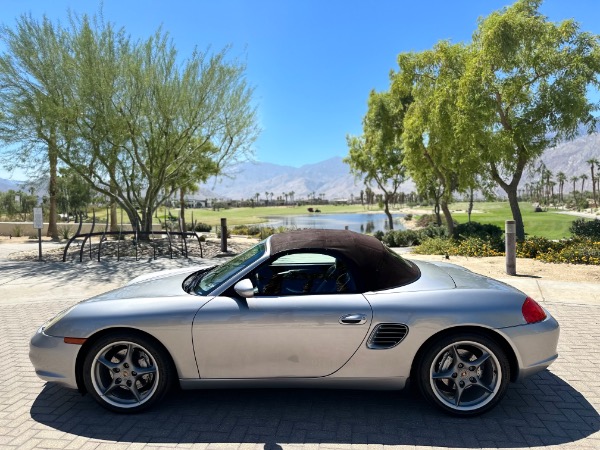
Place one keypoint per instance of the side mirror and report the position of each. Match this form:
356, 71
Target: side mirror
244, 288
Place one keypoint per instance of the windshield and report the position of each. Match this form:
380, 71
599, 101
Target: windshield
226, 270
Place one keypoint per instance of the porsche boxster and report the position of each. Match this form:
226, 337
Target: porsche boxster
310, 308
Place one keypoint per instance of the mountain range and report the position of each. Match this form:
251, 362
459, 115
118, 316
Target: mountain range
332, 177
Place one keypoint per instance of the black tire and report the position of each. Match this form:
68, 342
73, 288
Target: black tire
464, 374
127, 372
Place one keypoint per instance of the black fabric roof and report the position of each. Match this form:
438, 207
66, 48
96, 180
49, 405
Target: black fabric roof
376, 267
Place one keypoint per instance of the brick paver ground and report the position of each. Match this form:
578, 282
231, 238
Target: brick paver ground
557, 408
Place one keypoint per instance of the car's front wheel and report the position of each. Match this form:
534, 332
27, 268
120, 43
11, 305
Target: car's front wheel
464, 374
126, 372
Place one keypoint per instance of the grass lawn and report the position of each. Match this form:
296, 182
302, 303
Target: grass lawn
549, 224
244, 216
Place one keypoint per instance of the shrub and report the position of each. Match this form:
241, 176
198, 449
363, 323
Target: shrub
574, 251
586, 229
582, 203
475, 246
65, 232
426, 220
408, 238
476, 229
219, 232
240, 229
401, 238
433, 231
534, 246
202, 227
17, 231
435, 246
379, 235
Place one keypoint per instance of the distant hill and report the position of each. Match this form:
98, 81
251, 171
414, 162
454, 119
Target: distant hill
7, 185
331, 177
570, 157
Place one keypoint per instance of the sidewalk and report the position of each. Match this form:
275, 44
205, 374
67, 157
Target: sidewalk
558, 407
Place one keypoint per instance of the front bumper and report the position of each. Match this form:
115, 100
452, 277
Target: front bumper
52, 359
535, 345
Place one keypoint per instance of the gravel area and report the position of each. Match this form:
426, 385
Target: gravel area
495, 267
23, 249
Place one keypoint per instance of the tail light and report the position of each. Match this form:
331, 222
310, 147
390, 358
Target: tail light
532, 311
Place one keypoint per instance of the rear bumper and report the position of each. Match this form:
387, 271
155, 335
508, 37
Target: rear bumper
52, 359
535, 345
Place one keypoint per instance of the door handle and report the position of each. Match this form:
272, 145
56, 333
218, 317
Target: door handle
353, 319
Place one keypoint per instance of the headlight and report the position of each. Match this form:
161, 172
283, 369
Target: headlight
56, 319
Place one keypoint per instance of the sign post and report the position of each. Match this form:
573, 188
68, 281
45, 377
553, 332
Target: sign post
38, 222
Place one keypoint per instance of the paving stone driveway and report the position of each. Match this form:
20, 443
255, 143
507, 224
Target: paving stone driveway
555, 408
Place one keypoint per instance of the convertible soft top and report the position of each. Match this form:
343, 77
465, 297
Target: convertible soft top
376, 266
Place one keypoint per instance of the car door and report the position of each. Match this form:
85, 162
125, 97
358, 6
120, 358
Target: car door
289, 332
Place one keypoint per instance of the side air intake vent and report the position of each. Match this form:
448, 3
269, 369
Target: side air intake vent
387, 335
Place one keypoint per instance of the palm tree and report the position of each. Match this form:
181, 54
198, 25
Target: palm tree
583, 178
574, 180
561, 177
592, 162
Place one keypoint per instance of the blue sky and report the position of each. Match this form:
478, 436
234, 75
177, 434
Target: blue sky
313, 62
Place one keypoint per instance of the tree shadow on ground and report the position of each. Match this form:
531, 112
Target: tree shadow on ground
91, 271
543, 410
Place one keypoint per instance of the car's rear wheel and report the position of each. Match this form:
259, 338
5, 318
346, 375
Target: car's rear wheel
464, 374
126, 372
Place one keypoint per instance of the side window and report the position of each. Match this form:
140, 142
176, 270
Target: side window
303, 273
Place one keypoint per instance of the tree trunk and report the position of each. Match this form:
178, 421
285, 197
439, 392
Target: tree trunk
386, 209
182, 208
146, 222
436, 211
52, 192
511, 192
470, 210
448, 217
513, 201
114, 221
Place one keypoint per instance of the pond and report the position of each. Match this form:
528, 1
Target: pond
359, 222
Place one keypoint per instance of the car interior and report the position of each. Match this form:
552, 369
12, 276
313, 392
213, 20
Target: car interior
303, 274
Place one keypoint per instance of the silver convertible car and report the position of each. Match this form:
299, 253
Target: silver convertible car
314, 308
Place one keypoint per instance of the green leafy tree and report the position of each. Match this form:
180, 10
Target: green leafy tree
433, 152
74, 193
377, 155
202, 168
32, 94
524, 88
8, 203
132, 118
